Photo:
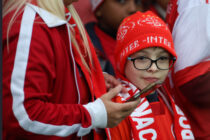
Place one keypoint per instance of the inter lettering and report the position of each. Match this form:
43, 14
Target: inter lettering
169, 44
130, 47
165, 41
126, 49
122, 54
136, 43
154, 39
158, 39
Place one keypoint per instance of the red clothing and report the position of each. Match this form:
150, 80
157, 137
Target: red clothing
108, 43
156, 117
40, 78
163, 118
190, 79
193, 61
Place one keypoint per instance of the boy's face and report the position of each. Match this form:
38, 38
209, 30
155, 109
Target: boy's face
142, 78
111, 13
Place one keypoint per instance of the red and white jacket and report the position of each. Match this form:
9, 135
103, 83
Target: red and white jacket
46, 89
189, 21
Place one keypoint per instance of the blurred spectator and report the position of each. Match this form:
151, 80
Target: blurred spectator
84, 8
189, 21
109, 15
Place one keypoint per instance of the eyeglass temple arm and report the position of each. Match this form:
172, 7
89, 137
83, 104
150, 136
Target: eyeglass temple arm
129, 58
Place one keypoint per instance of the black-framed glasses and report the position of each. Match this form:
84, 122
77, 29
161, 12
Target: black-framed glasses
144, 63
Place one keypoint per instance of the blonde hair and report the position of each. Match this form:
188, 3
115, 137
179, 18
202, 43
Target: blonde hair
57, 8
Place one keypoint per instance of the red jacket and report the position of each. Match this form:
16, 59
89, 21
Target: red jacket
44, 89
189, 81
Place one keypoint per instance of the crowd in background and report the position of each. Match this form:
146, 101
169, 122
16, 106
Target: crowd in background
68, 75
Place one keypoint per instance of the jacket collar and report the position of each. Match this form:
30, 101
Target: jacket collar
50, 19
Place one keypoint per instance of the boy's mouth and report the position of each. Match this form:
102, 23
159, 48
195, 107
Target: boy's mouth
151, 79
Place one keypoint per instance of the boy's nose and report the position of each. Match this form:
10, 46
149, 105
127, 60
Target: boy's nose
153, 68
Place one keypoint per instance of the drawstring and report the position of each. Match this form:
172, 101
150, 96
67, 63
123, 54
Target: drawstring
72, 55
68, 15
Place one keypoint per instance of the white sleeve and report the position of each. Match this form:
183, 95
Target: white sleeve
191, 33
98, 113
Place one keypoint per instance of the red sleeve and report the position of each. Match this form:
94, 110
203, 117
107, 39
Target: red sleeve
197, 90
29, 75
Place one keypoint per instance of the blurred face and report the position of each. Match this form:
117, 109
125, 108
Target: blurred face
68, 2
143, 5
111, 13
142, 78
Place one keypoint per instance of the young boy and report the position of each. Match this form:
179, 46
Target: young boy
144, 55
109, 15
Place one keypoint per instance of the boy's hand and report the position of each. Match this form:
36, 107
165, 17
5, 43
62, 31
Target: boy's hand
116, 112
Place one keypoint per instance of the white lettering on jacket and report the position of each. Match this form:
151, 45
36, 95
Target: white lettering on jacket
147, 131
143, 122
141, 110
186, 133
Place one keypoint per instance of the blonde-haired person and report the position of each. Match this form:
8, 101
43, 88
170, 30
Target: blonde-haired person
51, 75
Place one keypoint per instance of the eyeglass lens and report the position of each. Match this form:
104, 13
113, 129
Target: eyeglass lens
145, 63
